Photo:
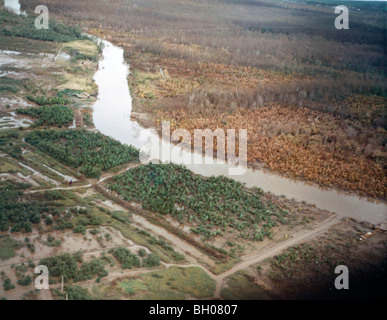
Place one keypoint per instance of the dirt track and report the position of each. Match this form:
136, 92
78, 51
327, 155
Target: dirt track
194, 255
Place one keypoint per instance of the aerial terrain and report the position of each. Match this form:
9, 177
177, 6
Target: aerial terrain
75, 197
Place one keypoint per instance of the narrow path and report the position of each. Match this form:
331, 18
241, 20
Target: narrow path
108, 176
273, 250
195, 255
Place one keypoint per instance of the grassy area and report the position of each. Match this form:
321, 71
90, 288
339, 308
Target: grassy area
11, 85
8, 165
24, 45
169, 284
241, 286
8, 247
81, 50
24, 27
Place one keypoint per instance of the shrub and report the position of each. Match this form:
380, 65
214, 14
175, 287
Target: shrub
126, 258
151, 261
142, 252
24, 280
79, 229
7, 284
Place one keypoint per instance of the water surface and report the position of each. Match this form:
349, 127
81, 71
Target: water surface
112, 118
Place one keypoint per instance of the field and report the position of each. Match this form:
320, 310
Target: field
173, 283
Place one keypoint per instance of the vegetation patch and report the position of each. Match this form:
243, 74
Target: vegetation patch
172, 283
92, 152
66, 265
21, 26
8, 247
214, 204
17, 214
47, 100
50, 115
241, 286
73, 293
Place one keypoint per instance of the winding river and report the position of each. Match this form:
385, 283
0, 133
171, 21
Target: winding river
112, 118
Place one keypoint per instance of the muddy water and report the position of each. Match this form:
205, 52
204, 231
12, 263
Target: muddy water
112, 117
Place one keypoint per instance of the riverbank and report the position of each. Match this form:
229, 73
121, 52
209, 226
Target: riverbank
114, 92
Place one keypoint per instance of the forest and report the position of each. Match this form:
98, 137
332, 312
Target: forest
19, 215
54, 115
214, 205
91, 152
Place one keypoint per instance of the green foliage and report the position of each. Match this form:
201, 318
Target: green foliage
74, 293
62, 265
52, 242
7, 284
62, 224
90, 151
8, 247
19, 26
49, 221
66, 265
178, 256
19, 215
142, 252
151, 261
88, 220
289, 262
215, 203
25, 280
126, 258
21, 268
68, 92
6, 88
55, 115
91, 269
45, 100
54, 195
7, 144
121, 216
80, 56
79, 229
94, 231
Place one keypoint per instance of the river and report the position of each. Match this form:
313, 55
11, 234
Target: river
111, 117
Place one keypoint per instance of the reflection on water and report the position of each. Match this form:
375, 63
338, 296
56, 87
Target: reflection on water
112, 110
112, 117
